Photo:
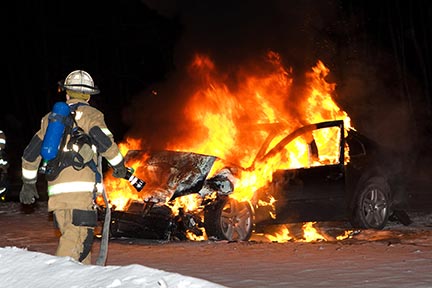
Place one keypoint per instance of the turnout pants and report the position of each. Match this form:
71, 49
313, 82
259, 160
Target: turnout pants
75, 218
75, 241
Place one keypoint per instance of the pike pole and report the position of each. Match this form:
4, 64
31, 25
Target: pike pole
103, 251
138, 184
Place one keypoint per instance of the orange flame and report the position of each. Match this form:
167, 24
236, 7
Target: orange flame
311, 234
347, 234
281, 237
234, 120
121, 192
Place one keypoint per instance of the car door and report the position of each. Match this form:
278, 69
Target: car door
313, 191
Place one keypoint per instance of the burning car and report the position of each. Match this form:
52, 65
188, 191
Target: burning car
319, 172
346, 177
177, 196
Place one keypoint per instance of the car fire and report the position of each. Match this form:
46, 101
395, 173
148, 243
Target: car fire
259, 156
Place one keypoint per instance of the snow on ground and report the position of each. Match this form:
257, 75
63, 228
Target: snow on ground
20, 268
398, 256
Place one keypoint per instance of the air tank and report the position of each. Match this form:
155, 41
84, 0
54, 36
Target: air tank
58, 120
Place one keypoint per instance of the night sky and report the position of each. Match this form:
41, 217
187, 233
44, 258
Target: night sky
378, 52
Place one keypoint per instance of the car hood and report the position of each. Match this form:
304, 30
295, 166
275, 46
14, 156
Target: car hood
170, 174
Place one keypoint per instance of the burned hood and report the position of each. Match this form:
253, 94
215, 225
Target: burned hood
170, 174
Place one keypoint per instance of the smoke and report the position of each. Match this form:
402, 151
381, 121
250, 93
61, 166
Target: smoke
232, 34
236, 33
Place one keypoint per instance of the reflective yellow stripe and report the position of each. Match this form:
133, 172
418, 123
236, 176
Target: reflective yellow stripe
99, 187
29, 174
116, 160
106, 131
70, 187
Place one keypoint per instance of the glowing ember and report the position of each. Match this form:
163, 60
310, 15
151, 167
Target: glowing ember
281, 236
187, 203
347, 234
311, 234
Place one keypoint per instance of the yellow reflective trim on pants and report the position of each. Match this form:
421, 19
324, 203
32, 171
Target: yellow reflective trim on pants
70, 187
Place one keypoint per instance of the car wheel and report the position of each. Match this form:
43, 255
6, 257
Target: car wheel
228, 219
372, 207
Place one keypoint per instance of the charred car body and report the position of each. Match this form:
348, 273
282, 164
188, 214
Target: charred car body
342, 176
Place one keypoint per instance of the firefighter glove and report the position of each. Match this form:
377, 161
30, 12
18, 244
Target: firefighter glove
28, 193
120, 170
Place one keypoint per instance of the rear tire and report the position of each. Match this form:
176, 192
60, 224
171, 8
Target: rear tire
372, 206
228, 219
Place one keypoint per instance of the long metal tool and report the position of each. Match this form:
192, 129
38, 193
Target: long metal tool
103, 252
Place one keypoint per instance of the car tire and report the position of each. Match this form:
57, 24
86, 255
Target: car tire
372, 205
228, 219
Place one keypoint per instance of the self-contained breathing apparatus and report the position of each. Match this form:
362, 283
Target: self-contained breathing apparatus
60, 120
65, 143
75, 146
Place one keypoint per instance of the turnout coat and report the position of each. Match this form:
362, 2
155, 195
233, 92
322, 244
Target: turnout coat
72, 188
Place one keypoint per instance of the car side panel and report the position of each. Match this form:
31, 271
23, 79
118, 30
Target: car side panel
310, 194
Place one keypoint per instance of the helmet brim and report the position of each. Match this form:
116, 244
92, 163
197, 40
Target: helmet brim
81, 88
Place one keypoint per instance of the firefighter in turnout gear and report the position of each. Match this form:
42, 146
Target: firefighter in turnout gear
4, 164
73, 181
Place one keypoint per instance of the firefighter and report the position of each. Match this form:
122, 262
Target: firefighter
4, 165
72, 182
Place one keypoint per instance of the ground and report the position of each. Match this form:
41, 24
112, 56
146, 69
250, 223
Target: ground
398, 256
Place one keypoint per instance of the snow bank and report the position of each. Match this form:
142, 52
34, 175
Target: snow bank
21, 268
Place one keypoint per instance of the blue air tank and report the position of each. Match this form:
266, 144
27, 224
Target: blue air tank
54, 133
